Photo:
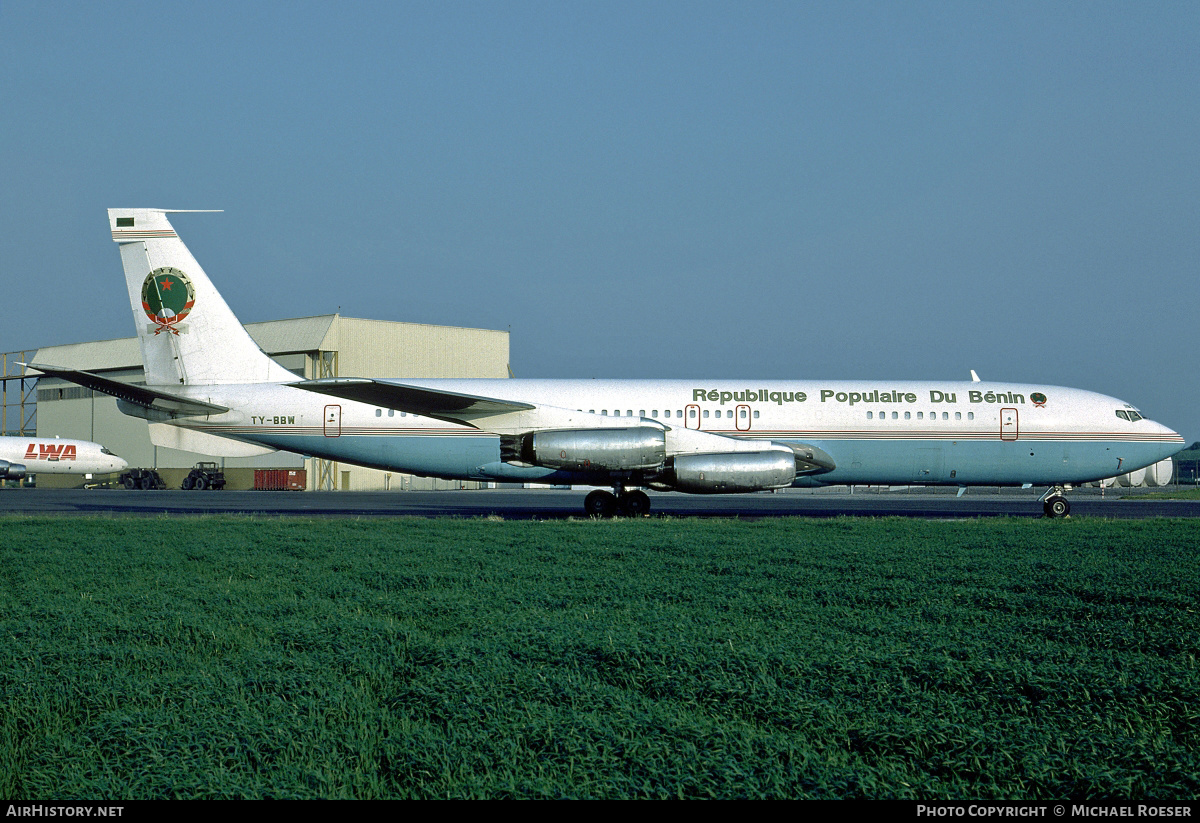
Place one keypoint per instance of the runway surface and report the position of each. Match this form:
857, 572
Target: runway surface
520, 504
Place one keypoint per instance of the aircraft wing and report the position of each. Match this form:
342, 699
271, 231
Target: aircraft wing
138, 395
511, 417
441, 405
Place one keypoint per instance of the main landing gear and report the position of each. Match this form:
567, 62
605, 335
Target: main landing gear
1054, 504
606, 504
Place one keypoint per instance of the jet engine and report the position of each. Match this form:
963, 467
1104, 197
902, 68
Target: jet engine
632, 449
11, 471
730, 473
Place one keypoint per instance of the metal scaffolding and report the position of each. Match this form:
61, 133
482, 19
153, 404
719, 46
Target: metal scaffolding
18, 394
325, 364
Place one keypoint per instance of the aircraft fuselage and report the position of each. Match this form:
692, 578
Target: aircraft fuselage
45, 455
893, 432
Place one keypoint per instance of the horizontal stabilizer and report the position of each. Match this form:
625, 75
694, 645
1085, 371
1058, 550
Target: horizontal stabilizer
138, 395
441, 405
171, 436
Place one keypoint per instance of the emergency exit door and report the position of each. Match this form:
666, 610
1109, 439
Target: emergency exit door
743, 418
1009, 428
333, 421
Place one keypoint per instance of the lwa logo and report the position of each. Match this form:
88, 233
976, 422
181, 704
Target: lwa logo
50, 451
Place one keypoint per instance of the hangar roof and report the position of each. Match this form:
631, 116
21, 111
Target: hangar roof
366, 347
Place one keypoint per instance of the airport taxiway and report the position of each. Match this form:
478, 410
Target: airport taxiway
556, 503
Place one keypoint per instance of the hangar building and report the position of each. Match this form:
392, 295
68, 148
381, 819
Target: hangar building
312, 347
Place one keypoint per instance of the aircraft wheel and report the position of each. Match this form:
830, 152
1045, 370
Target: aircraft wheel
634, 504
1056, 507
600, 504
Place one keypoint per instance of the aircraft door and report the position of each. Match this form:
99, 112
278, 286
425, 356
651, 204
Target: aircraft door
742, 414
1009, 427
691, 416
333, 421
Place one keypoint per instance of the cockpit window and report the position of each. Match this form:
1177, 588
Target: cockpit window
1129, 415
1134, 417
1121, 413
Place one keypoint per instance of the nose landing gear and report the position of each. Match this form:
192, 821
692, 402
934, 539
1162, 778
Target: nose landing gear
1054, 504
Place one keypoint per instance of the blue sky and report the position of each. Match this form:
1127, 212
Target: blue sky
742, 190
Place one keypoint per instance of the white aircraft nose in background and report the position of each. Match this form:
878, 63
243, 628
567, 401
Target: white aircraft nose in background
20, 456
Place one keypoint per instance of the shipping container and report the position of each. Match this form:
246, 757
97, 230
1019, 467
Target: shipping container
278, 480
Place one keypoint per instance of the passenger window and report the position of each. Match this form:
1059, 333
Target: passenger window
379, 412
756, 415
706, 414
945, 415
908, 415
743, 415
391, 412
970, 415
920, 415
958, 415
870, 416
895, 415
642, 413
604, 412
654, 413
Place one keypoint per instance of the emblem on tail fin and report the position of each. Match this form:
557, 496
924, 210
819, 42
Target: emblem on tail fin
167, 297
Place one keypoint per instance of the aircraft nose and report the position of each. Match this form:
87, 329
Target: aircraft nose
1172, 440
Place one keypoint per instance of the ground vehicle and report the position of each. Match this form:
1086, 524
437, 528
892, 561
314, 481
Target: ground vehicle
205, 476
142, 479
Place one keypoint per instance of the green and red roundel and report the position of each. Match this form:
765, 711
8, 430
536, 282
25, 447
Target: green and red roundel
167, 297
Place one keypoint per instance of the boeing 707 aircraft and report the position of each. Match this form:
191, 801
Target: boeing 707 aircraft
209, 388
20, 456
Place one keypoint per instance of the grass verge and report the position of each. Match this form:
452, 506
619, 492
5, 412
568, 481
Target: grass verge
895, 658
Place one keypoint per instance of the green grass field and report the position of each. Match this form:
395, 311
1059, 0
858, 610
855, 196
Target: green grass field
1176, 494
239, 657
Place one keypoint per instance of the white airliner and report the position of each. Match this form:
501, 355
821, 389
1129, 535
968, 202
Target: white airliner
209, 388
20, 456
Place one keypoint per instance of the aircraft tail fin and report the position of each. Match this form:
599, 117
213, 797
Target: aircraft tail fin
188, 334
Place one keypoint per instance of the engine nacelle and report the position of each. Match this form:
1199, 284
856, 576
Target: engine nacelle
11, 471
636, 448
733, 472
